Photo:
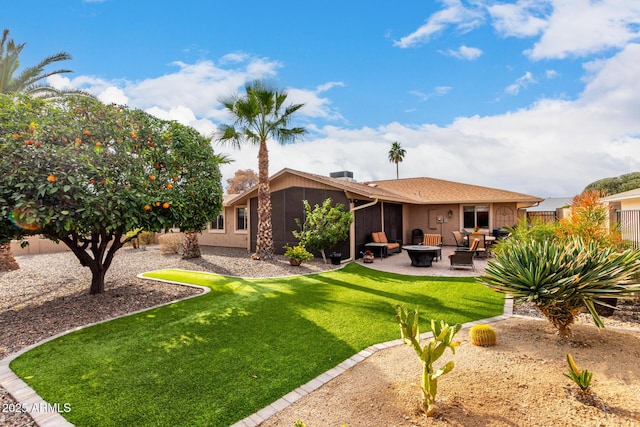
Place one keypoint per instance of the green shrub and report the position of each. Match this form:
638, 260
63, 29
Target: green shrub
297, 253
563, 277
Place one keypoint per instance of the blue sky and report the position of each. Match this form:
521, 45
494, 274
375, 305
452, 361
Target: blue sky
536, 96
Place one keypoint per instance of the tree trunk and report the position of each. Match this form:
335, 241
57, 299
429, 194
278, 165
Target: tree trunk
96, 252
7, 261
264, 234
97, 281
190, 247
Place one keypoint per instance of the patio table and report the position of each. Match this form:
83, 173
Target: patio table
422, 256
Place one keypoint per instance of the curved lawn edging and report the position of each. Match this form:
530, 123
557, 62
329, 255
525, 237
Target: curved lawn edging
305, 389
31, 402
55, 419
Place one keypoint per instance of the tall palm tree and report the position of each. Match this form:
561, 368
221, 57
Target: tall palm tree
28, 81
260, 115
396, 155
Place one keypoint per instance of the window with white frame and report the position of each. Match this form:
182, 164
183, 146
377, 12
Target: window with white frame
476, 216
241, 219
217, 224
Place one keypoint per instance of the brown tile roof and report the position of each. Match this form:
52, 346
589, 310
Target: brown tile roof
409, 190
431, 191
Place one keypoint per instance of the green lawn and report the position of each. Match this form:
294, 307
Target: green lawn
217, 358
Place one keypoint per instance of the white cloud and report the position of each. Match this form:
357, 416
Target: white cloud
551, 74
583, 27
437, 91
520, 83
552, 148
113, 95
525, 18
454, 13
466, 53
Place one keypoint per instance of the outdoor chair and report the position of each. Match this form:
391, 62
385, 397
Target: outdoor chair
432, 240
463, 257
459, 239
381, 237
481, 247
416, 236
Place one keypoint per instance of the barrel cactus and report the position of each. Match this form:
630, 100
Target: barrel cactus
483, 335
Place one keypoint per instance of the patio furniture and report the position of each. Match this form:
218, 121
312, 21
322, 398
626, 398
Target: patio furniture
463, 257
481, 248
460, 243
379, 247
381, 237
432, 240
423, 256
416, 236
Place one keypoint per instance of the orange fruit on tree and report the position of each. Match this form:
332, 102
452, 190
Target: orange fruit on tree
92, 181
98, 144
175, 179
147, 207
86, 132
28, 142
157, 203
165, 205
152, 177
78, 140
15, 136
169, 186
51, 178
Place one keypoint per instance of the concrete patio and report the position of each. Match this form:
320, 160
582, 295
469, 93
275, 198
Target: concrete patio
400, 263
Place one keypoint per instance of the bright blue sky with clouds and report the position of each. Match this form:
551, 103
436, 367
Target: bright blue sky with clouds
536, 96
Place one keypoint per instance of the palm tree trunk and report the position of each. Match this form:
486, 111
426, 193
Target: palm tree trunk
7, 261
264, 235
190, 246
397, 171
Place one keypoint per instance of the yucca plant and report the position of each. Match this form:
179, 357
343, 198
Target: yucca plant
561, 277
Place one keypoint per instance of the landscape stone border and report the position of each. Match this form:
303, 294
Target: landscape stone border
45, 415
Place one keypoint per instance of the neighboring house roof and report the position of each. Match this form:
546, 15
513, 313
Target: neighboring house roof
407, 190
550, 204
631, 194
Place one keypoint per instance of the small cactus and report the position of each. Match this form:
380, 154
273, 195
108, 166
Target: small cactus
483, 335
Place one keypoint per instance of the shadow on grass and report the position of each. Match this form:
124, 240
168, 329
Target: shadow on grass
215, 359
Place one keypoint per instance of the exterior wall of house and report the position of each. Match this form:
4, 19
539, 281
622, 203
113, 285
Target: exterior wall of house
228, 237
630, 204
37, 245
435, 219
286, 205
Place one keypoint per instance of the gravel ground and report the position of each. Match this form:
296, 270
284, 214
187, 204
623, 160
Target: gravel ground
50, 294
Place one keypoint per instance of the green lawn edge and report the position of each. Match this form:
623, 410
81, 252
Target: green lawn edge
217, 358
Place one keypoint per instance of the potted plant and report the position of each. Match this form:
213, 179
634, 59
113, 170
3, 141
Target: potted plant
297, 254
367, 256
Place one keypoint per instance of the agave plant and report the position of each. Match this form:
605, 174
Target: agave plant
563, 277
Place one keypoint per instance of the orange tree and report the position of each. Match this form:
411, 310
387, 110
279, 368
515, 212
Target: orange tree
85, 174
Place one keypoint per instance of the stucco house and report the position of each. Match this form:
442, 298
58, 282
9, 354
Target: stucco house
624, 209
394, 206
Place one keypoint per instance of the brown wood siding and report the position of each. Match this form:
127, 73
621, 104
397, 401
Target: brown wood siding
286, 205
368, 221
393, 221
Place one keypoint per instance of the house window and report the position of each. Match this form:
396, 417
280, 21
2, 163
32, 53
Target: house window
217, 224
241, 219
476, 216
